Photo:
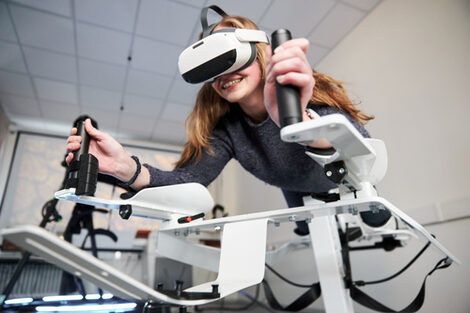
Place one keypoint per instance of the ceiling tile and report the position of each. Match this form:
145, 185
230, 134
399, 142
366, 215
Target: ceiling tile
194, 3
102, 75
139, 126
99, 98
107, 120
20, 105
56, 111
299, 16
17, 84
362, 4
102, 44
169, 132
147, 84
182, 92
176, 112
118, 14
51, 65
315, 54
6, 27
142, 105
11, 57
156, 17
56, 91
57, 6
155, 56
340, 21
44, 30
254, 10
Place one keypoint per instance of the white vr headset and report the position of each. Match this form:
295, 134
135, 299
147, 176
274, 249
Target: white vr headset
220, 52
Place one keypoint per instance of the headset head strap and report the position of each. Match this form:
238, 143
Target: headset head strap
206, 28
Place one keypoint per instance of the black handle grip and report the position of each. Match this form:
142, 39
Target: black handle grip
83, 169
85, 144
288, 96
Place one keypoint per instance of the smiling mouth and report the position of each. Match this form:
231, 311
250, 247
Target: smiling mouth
231, 83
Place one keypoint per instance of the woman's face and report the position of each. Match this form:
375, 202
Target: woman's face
240, 86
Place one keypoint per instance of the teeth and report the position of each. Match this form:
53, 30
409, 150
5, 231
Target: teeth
231, 83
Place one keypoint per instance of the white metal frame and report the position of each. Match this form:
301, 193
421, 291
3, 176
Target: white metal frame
240, 262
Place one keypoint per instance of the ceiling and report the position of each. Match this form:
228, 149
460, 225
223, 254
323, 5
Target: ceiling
63, 58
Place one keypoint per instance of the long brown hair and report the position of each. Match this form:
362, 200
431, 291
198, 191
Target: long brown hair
209, 106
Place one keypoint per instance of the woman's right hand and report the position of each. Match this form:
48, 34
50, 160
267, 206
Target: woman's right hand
112, 157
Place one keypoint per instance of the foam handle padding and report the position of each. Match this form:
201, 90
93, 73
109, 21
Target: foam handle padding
288, 96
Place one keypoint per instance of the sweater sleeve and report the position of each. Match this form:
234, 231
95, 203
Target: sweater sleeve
204, 171
323, 109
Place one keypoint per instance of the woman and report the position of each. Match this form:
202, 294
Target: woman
236, 116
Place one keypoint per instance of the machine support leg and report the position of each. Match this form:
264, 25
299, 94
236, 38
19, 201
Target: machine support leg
327, 254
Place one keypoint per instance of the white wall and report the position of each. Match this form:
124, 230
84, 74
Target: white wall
408, 62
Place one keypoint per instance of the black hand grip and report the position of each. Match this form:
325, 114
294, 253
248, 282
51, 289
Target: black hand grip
85, 144
288, 96
83, 169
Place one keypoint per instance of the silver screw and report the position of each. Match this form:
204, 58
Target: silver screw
329, 173
292, 218
341, 170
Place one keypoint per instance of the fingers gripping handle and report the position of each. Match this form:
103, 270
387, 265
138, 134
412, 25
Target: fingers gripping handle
288, 96
83, 170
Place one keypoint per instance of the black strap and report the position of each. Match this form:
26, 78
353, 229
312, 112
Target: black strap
307, 298
361, 283
206, 29
362, 298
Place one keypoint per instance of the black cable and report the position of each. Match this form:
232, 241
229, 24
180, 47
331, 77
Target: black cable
363, 283
223, 308
287, 280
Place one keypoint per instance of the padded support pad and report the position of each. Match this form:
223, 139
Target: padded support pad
242, 257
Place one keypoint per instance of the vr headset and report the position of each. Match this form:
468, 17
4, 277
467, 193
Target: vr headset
224, 51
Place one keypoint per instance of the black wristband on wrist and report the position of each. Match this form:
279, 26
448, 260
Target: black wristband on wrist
137, 172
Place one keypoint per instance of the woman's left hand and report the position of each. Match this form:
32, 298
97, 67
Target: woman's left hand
288, 66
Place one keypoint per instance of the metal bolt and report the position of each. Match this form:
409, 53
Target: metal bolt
292, 218
329, 173
217, 228
341, 170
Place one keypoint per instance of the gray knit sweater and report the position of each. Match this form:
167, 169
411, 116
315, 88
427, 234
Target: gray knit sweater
259, 149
